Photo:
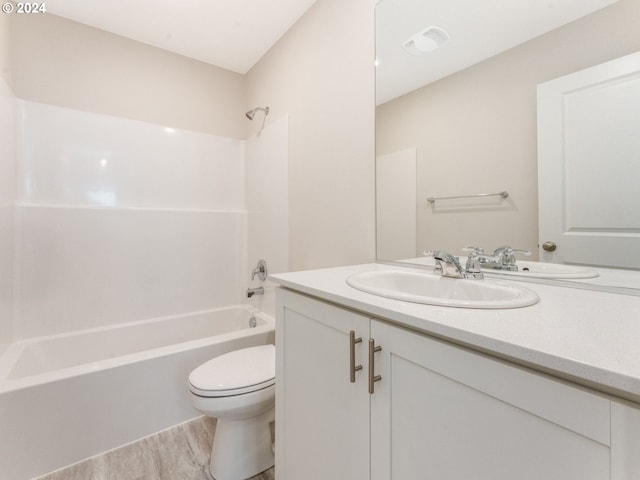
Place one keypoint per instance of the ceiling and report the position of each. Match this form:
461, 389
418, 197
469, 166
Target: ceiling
235, 34
232, 34
478, 30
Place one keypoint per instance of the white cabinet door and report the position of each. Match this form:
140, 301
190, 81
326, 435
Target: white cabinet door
322, 418
588, 165
442, 412
625, 441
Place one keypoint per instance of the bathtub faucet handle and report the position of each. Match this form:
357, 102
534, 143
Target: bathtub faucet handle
260, 270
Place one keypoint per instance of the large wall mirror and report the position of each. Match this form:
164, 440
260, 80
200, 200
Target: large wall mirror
457, 128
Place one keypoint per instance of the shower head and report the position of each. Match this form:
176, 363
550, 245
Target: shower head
252, 113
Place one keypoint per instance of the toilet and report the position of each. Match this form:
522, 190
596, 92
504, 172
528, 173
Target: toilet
238, 389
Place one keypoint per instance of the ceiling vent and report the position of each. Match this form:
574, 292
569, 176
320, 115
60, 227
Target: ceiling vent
426, 40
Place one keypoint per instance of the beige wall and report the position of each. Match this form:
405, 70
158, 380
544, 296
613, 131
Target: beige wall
7, 184
321, 74
64, 63
475, 131
5, 72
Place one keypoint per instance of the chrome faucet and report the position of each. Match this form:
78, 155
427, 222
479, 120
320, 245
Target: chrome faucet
473, 268
506, 257
449, 265
262, 272
502, 258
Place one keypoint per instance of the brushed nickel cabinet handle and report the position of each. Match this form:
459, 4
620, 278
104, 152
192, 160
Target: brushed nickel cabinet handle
373, 378
353, 368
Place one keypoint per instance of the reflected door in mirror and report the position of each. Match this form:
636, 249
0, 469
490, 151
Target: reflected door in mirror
589, 165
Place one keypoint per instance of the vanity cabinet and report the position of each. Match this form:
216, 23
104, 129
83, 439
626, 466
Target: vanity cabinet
322, 419
438, 411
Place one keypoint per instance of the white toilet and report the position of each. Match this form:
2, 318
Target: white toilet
238, 388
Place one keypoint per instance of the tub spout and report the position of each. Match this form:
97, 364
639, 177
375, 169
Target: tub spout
255, 291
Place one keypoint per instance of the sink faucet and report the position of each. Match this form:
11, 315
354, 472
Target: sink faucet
502, 258
449, 265
505, 256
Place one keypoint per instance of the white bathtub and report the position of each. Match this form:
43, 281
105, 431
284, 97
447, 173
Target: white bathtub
67, 397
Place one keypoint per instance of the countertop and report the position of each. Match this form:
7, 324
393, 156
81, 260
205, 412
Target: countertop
588, 337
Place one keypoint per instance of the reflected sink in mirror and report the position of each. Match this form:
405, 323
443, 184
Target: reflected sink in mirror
431, 289
501, 149
526, 269
548, 270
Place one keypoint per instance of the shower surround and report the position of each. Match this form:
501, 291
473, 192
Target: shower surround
120, 220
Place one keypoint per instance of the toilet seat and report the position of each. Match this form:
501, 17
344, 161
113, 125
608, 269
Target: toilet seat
235, 373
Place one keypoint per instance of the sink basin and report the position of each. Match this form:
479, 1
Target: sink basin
548, 270
436, 290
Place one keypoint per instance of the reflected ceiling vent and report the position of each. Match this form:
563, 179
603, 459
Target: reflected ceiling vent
426, 40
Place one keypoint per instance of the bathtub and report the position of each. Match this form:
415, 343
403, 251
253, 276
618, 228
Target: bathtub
64, 398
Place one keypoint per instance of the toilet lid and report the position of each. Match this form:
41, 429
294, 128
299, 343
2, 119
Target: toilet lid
236, 372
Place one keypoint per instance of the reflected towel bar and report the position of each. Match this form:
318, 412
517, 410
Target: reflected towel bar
503, 194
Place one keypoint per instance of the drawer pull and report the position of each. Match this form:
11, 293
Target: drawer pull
373, 378
353, 368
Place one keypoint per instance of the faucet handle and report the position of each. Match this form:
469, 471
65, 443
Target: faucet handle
439, 255
260, 270
478, 250
526, 253
506, 256
508, 249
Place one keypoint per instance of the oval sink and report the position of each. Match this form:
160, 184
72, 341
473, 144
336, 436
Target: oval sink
436, 290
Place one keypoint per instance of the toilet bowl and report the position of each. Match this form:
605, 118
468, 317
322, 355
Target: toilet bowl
238, 389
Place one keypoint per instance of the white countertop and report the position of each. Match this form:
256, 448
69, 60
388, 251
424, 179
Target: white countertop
586, 336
